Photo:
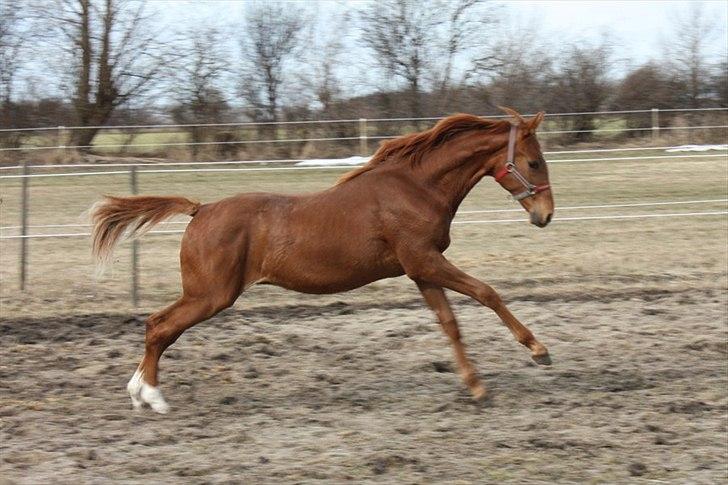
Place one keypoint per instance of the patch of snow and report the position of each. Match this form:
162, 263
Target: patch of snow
697, 148
325, 162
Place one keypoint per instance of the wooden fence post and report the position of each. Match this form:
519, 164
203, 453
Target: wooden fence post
134, 247
363, 144
655, 124
24, 225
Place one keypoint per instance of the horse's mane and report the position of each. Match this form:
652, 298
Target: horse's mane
412, 147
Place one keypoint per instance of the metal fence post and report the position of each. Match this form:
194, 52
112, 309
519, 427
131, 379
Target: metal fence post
24, 225
655, 124
363, 148
134, 247
59, 137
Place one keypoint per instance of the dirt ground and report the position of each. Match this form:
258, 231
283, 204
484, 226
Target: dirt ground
366, 392
360, 387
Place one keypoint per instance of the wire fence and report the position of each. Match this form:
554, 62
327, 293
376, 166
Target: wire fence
29, 170
65, 166
350, 120
487, 221
330, 137
298, 167
460, 213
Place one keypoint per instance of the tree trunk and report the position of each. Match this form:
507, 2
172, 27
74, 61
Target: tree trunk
83, 138
583, 124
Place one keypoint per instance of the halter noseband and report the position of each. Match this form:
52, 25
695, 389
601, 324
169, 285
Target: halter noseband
510, 168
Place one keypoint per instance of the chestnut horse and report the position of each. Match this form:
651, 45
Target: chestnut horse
389, 218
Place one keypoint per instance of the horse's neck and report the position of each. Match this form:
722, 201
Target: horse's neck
453, 178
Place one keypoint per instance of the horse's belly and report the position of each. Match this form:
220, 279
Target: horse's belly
325, 248
322, 275
318, 281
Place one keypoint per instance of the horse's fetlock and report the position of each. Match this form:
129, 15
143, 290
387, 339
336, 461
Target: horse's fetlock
470, 378
528, 341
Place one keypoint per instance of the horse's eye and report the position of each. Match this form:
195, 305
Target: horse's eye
534, 164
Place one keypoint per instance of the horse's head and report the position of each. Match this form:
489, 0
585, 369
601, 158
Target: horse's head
522, 170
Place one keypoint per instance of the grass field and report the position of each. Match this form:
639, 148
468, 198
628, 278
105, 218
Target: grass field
639, 249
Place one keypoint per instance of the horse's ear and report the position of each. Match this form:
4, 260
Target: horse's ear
533, 123
512, 112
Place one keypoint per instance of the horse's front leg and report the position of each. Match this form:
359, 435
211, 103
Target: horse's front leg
434, 268
435, 298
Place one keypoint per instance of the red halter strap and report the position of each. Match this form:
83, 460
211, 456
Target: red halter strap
510, 168
504, 170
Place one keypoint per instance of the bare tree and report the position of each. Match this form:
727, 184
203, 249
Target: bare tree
693, 31
199, 69
582, 84
269, 42
321, 78
720, 84
463, 31
402, 35
648, 86
14, 36
417, 41
114, 53
517, 68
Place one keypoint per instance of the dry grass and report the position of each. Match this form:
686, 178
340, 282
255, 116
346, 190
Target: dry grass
566, 256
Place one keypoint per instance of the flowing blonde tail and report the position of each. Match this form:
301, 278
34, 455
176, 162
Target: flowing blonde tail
114, 217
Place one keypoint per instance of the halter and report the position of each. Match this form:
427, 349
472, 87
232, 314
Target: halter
510, 168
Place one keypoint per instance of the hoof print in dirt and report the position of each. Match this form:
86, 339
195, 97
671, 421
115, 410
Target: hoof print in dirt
442, 367
637, 469
380, 465
689, 407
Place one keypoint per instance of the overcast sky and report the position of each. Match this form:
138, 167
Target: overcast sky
635, 26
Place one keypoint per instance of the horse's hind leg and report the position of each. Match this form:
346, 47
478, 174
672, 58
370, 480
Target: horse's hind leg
163, 329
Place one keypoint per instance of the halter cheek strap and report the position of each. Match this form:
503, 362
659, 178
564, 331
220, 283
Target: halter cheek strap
510, 168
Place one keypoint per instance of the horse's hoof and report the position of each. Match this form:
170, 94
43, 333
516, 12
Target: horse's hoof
153, 396
542, 359
136, 404
479, 393
161, 408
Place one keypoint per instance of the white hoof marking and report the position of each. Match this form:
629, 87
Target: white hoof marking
153, 396
135, 389
141, 393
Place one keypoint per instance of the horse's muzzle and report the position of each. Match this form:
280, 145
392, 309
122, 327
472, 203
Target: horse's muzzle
540, 220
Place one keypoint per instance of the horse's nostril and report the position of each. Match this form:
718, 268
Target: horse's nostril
548, 218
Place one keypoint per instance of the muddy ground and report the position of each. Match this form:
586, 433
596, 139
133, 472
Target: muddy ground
366, 392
